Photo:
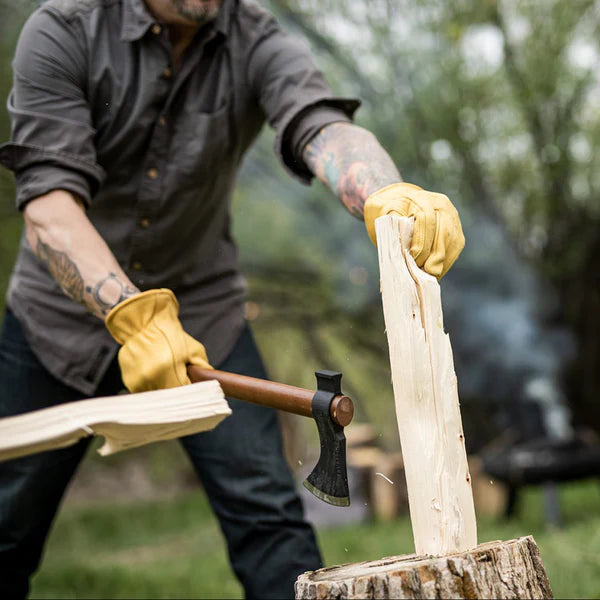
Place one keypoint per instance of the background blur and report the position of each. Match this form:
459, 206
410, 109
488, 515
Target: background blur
495, 104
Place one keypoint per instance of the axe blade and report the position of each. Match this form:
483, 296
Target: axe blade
329, 479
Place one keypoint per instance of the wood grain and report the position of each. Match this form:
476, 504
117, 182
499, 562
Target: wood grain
426, 398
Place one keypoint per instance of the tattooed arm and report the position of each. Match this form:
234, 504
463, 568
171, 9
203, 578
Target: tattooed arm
351, 163
62, 236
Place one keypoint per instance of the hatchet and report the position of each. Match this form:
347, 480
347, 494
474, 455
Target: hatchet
330, 409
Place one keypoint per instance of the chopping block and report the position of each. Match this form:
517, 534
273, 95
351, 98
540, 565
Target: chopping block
510, 569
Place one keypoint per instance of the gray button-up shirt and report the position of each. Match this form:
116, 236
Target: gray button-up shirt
98, 109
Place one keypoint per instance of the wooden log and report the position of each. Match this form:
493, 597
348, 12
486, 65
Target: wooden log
490, 495
426, 397
360, 434
512, 569
388, 488
381, 476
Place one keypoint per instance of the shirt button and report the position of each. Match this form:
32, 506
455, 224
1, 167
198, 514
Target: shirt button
145, 223
152, 173
167, 72
162, 121
137, 265
156, 29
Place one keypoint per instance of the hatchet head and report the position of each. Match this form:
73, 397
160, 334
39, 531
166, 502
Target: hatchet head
329, 479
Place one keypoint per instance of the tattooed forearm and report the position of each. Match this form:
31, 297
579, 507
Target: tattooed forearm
351, 162
99, 297
111, 290
63, 269
59, 231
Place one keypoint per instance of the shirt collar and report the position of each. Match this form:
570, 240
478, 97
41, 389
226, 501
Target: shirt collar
137, 19
221, 23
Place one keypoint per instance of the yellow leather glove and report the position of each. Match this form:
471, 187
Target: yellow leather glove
437, 236
155, 349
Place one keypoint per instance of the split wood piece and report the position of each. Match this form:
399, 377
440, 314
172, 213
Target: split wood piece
490, 495
426, 397
360, 434
512, 569
125, 421
388, 488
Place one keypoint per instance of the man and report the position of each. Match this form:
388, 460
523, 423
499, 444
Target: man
129, 120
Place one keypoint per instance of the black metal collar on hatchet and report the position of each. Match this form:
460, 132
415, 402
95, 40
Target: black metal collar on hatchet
331, 410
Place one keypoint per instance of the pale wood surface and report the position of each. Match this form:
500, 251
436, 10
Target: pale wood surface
125, 421
426, 398
510, 569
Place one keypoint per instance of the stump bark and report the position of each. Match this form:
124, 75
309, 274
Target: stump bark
511, 569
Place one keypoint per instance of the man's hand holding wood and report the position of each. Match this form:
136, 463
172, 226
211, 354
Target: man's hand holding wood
437, 236
155, 349
352, 163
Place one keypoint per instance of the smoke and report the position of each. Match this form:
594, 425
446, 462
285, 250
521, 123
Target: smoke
498, 313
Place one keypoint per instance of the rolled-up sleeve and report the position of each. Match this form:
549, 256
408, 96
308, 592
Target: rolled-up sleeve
52, 137
294, 96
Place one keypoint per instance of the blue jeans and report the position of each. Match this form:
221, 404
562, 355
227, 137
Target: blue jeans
240, 464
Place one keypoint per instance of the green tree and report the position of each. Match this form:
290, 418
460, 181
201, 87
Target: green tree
494, 104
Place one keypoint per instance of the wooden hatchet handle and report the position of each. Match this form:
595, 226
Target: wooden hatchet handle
275, 395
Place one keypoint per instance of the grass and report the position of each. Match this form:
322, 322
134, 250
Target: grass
174, 548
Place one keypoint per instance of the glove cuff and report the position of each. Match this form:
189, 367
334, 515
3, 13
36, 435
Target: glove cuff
397, 187
132, 315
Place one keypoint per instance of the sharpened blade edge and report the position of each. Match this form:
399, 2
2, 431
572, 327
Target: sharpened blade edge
334, 500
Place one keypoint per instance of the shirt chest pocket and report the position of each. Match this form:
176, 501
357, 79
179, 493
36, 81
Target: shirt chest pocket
201, 145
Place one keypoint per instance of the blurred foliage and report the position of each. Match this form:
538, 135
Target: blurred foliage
490, 102
11, 18
493, 103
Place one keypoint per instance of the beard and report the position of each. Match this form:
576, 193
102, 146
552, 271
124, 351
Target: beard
197, 11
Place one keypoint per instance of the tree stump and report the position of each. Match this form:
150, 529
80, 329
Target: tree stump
512, 569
